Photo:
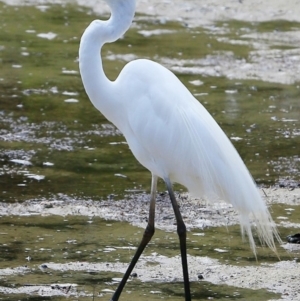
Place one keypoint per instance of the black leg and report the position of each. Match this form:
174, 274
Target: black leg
149, 231
181, 230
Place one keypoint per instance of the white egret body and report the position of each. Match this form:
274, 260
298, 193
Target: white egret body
169, 132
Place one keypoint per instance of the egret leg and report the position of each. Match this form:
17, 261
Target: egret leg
149, 231
181, 230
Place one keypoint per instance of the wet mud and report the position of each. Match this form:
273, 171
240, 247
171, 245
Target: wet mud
73, 200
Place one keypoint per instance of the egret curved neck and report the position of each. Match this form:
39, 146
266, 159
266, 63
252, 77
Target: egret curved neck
98, 87
96, 84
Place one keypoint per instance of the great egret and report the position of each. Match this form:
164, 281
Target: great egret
170, 133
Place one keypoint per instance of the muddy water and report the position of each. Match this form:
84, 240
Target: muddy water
53, 142
38, 243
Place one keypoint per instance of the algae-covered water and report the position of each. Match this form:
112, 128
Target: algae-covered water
53, 143
46, 116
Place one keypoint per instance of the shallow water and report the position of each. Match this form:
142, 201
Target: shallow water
34, 241
54, 142
47, 117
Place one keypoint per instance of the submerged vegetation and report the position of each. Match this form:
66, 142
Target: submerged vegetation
54, 144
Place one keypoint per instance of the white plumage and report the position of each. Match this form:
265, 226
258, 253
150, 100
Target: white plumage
167, 129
